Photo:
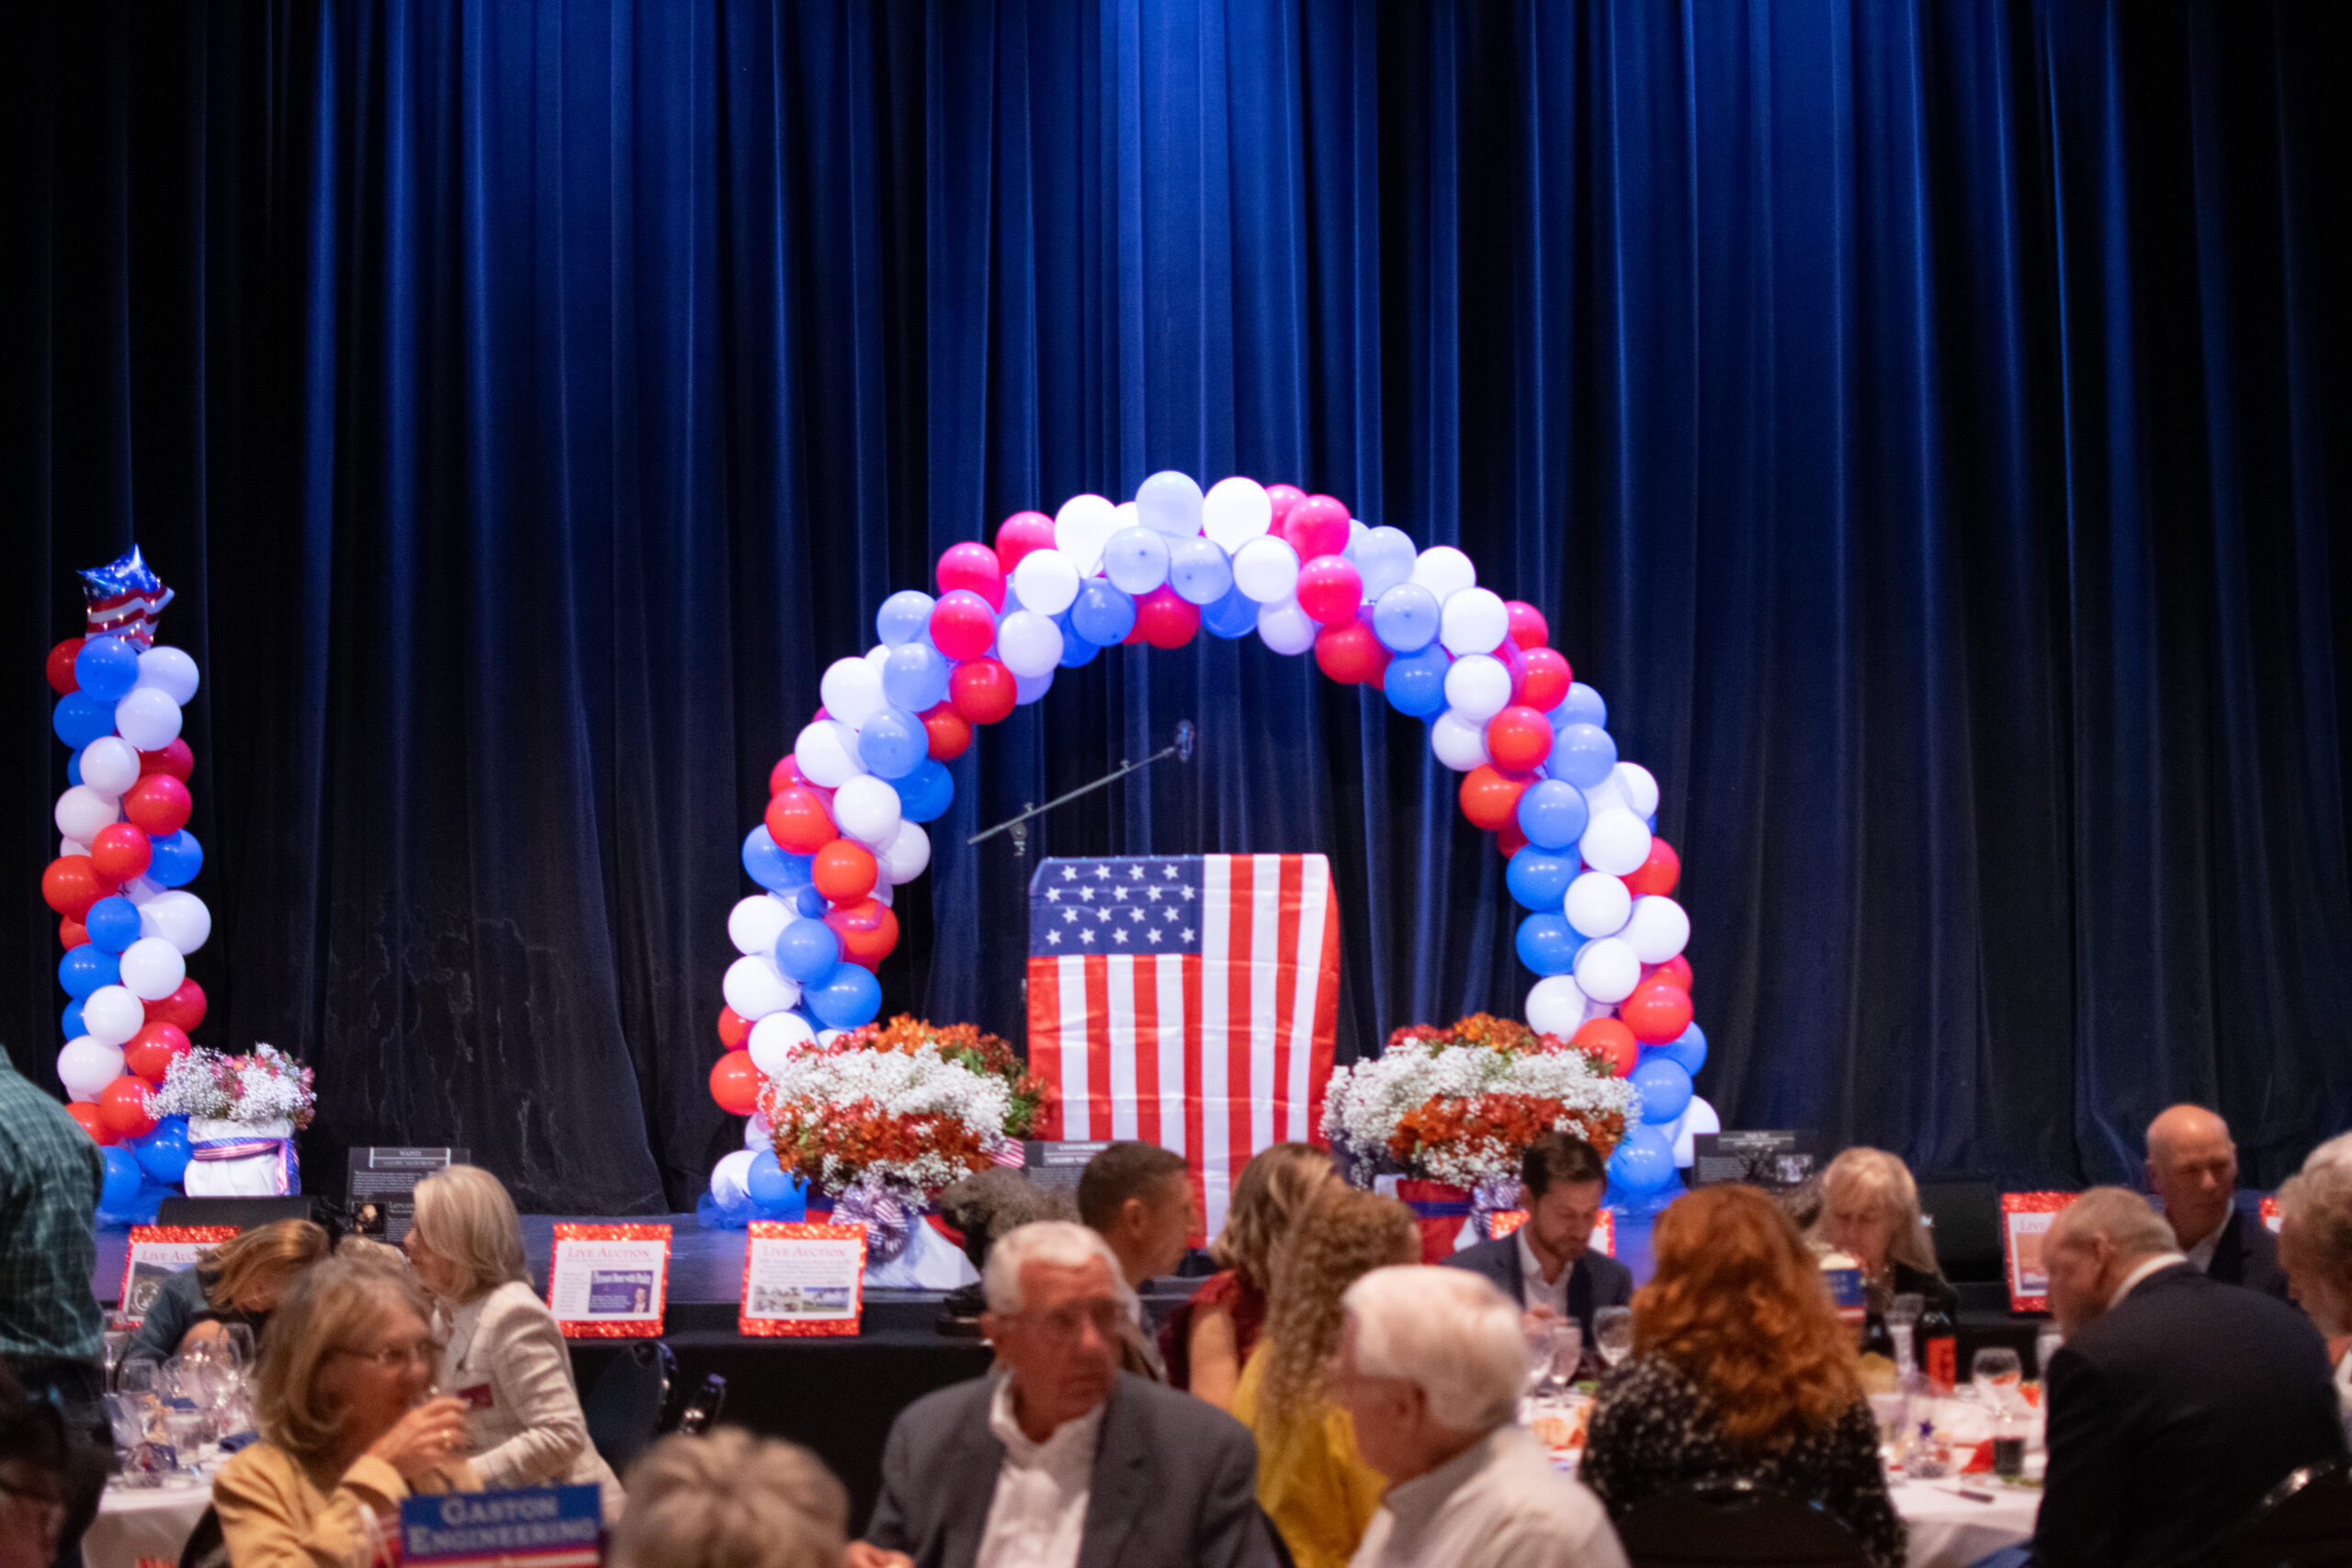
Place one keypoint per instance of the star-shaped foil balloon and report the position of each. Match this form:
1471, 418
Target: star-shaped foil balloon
123, 597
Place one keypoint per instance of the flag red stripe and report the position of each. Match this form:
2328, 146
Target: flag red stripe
1238, 1043
1286, 986
1097, 1047
1191, 962
1148, 1049
1044, 1041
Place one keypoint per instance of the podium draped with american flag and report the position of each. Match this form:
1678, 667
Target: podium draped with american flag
1185, 1000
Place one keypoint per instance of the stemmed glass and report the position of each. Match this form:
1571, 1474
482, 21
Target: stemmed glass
1612, 1330
1998, 1373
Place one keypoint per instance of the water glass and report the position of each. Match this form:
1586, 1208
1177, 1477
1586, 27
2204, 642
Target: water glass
1997, 1375
1612, 1330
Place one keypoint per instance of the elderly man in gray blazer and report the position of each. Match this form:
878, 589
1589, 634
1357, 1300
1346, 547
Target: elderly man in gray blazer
1063, 1461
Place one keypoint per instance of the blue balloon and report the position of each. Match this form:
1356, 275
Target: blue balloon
1405, 618
1666, 1089
914, 677
1235, 614
1384, 558
1135, 559
72, 1022
80, 719
1076, 650
1547, 943
1581, 706
1582, 754
851, 998
123, 1179
925, 793
1689, 1050
1200, 570
174, 859
1103, 615
1027, 689
83, 969
113, 920
893, 742
768, 1182
1539, 879
1644, 1162
808, 950
904, 617
107, 668
765, 861
1415, 682
163, 1154
806, 900
1552, 814
73, 768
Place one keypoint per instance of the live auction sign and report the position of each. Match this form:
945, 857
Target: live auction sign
158, 1252
802, 1279
535, 1527
2025, 1225
1603, 1239
609, 1282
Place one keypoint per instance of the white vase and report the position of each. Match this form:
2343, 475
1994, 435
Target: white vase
262, 1166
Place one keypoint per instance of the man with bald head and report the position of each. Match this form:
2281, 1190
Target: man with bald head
2193, 1170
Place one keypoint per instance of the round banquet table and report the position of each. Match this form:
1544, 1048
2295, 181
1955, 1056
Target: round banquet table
1950, 1531
145, 1522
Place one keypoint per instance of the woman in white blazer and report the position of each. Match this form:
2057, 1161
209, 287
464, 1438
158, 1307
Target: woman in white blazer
505, 1357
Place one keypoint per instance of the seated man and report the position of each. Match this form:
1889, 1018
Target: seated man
1429, 1366
1063, 1459
1138, 1198
1547, 1265
2193, 1167
2177, 1401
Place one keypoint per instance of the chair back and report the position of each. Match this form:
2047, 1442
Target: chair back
623, 1405
2305, 1522
702, 1411
206, 1547
1736, 1524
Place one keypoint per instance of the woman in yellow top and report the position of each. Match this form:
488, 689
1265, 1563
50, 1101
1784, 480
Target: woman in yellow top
1311, 1480
347, 1429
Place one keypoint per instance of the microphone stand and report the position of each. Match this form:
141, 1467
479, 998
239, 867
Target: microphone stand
1180, 749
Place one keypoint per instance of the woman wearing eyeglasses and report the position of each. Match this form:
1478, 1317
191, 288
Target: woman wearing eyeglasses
348, 1428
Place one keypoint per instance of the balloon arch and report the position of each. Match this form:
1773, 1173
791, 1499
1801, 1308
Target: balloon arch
844, 822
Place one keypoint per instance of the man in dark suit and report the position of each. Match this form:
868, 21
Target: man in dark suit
2177, 1401
1547, 1265
2193, 1167
1063, 1461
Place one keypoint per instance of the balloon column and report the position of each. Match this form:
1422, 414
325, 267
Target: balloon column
117, 883
843, 827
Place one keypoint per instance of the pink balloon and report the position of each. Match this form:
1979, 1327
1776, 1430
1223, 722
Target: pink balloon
961, 624
1020, 534
973, 567
1316, 526
1329, 589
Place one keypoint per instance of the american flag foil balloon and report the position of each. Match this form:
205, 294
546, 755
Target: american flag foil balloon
123, 597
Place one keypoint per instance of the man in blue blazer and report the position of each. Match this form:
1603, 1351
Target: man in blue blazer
1547, 1265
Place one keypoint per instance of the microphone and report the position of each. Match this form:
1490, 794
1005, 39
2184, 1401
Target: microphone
1185, 734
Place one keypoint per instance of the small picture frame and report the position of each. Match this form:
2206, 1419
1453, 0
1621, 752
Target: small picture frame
610, 1282
2025, 1221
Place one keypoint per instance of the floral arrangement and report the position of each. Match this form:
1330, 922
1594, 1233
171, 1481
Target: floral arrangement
268, 1085
1460, 1105
968, 1046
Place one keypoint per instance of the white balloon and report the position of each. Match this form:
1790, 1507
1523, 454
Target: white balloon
1658, 929
1169, 503
1697, 1117
1609, 794
754, 989
170, 671
1286, 628
1444, 571
109, 765
111, 1015
1607, 970
757, 1133
1236, 511
867, 809
139, 889
1029, 644
850, 691
777, 1038
883, 894
1555, 1006
905, 856
86, 1065
148, 718
1473, 621
879, 655
1047, 582
755, 922
1598, 904
1477, 687
178, 917
151, 969
82, 811
826, 754
1458, 742
1126, 516
1385, 556
1615, 841
1082, 527
1637, 787
728, 1178
827, 1036
1265, 570
76, 847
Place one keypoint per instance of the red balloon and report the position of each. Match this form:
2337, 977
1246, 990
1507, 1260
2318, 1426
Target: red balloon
734, 1028
1526, 624
87, 1117
61, 666
1490, 797
71, 932
1658, 1011
1283, 497
174, 759
122, 1106
867, 930
982, 690
1020, 534
1547, 679
1164, 619
1316, 526
71, 885
963, 625
1612, 1041
844, 871
120, 851
735, 1084
153, 1049
1675, 971
950, 731
1349, 653
1331, 589
1658, 873
972, 568
798, 821
1509, 839
783, 776
1518, 739
157, 804
183, 1008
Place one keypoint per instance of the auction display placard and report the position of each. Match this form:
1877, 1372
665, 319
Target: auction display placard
382, 1190
1604, 1235
609, 1282
802, 1279
2025, 1221
158, 1252
545, 1526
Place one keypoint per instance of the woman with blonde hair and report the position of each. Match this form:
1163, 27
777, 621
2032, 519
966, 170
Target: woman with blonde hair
731, 1500
1206, 1340
240, 1281
348, 1431
506, 1356
1741, 1370
1311, 1481
1869, 1210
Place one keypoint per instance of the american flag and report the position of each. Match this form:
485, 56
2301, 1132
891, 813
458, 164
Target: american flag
122, 599
1185, 1000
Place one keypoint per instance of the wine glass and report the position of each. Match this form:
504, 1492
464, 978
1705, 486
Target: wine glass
1998, 1373
239, 1340
1567, 1353
1612, 1330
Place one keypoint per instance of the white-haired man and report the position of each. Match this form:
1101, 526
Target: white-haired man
1063, 1461
1429, 1366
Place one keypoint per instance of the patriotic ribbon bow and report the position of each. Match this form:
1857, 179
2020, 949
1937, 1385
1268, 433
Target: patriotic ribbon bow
889, 1224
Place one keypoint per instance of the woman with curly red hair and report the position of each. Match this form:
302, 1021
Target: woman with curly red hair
1741, 1370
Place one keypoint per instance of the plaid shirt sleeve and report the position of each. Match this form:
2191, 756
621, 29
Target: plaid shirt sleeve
50, 1175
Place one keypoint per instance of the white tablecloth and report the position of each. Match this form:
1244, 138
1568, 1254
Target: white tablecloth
1950, 1531
148, 1522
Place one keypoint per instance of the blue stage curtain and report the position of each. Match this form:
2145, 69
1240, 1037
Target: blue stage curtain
1926, 424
